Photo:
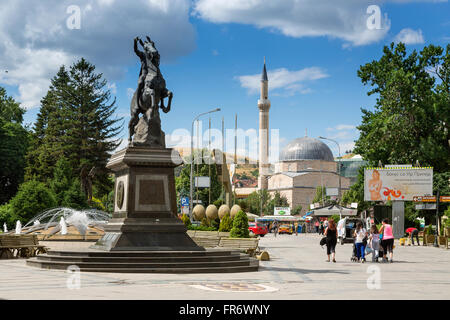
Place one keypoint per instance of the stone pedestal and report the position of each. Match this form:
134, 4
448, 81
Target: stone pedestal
145, 212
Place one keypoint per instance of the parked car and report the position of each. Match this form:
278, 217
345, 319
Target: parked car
257, 228
346, 226
285, 228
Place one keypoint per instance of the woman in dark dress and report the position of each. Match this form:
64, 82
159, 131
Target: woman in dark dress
331, 234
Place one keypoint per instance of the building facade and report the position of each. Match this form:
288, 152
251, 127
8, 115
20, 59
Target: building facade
305, 164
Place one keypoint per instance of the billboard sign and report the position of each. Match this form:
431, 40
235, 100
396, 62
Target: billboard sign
404, 183
332, 191
281, 211
202, 182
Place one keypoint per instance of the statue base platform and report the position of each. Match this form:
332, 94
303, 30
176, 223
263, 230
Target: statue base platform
145, 212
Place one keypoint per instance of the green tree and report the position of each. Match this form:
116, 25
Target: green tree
74, 197
411, 117
240, 226
13, 147
182, 182
32, 198
356, 194
297, 210
62, 180
321, 196
226, 223
75, 121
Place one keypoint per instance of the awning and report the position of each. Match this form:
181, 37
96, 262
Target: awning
279, 218
334, 210
308, 214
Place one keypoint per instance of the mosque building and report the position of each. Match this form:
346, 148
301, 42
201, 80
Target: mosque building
304, 164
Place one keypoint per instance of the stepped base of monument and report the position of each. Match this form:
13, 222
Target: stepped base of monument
207, 261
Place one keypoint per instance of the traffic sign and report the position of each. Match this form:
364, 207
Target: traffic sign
444, 198
184, 201
424, 199
426, 206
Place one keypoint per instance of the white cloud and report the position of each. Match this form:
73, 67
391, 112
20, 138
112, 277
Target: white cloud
340, 127
290, 81
345, 20
35, 40
112, 87
345, 146
410, 36
130, 93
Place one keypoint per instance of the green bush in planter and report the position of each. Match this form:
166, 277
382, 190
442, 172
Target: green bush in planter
226, 223
205, 223
215, 223
200, 228
186, 220
240, 226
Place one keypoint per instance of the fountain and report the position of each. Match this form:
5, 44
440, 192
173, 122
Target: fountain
18, 227
63, 225
74, 224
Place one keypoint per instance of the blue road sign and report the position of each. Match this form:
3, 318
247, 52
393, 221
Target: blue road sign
184, 201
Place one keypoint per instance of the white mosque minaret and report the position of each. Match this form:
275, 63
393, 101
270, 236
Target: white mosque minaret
264, 106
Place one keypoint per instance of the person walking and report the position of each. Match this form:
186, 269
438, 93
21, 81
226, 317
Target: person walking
413, 232
360, 242
331, 235
296, 228
387, 242
374, 242
317, 226
275, 228
325, 224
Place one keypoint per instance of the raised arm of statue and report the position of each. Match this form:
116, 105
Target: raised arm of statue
139, 53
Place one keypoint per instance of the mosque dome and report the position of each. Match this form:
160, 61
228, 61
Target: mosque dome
306, 148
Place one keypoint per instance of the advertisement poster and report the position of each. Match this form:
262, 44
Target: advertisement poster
381, 184
282, 211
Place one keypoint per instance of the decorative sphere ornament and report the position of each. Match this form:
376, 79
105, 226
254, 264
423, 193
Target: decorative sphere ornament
223, 210
234, 210
198, 212
211, 212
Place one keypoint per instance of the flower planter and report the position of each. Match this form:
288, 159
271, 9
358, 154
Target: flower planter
442, 241
429, 239
447, 232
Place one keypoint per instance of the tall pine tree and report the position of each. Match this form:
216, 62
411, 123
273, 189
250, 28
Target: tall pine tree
75, 121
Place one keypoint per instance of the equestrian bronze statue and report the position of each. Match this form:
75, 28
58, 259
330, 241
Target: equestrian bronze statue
148, 98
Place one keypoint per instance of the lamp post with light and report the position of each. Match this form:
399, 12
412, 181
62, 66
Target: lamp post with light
191, 189
339, 172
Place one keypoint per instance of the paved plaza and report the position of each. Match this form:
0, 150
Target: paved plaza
297, 270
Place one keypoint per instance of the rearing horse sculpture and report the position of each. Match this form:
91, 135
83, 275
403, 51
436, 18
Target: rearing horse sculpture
148, 97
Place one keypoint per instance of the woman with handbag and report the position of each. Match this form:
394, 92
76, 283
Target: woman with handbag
388, 240
331, 235
360, 242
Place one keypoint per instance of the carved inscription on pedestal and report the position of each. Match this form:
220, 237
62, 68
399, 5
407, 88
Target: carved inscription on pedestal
152, 193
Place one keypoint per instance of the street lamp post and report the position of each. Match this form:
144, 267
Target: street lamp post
191, 189
436, 233
339, 172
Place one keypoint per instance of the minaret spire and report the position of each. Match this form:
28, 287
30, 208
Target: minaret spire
264, 72
264, 106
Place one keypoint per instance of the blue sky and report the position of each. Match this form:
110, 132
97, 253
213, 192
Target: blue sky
313, 50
